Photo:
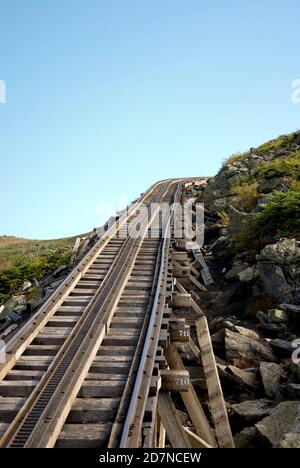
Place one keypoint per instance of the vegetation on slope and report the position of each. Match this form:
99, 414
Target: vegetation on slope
25, 260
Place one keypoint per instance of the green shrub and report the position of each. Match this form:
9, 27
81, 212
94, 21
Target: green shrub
280, 142
281, 214
246, 196
234, 158
279, 168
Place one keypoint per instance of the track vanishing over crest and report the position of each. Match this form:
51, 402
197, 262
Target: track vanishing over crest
86, 370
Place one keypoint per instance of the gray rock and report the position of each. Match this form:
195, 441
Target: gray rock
294, 309
270, 375
241, 330
283, 420
277, 316
252, 411
244, 377
249, 274
279, 267
282, 345
235, 270
290, 441
292, 390
284, 252
247, 438
238, 346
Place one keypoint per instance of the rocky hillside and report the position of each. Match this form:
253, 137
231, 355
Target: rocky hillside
252, 247
30, 270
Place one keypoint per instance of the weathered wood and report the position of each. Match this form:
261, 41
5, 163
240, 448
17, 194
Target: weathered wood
84, 436
9, 407
217, 403
194, 305
179, 331
179, 256
171, 421
181, 271
195, 441
181, 300
196, 283
175, 380
191, 400
93, 410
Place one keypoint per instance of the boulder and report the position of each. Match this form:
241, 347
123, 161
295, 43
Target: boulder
284, 419
284, 252
279, 271
270, 375
290, 441
252, 411
247, 438
277, 316
249, 274
242, 347
283, 346
292, 391
236, 269
244, 377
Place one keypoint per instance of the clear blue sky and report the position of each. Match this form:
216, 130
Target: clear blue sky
107, 96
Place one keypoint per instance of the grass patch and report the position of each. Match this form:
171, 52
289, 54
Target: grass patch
285, 167
246, 196
278, 143
234, 158
22, 260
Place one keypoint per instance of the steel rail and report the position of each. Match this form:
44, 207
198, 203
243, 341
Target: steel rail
78, 270
141, 369
59, 369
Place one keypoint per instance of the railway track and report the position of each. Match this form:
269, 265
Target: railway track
87, 369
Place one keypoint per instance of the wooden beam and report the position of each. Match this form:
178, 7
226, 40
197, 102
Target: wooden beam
171, 421
175, 380
191, 400
194, 304
216, 399
197, 284
161, 442
196, 442
181, 300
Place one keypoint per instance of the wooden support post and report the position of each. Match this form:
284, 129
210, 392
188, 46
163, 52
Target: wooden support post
194, 305
175, 380
197, 284
179, 256
161, 436
191, 400
217, 403
181, 271
181, 301
179, 331
171, 421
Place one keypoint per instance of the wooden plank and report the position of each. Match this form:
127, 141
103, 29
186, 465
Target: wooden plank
175, 380
171, 421
194, 304
84, 436
196, 442
191, 400
197, 284
217, 403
